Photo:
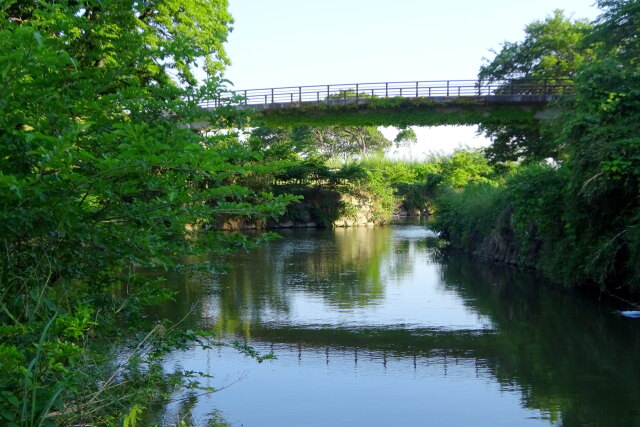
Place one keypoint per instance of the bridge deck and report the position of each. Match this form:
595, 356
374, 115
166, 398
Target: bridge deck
415, 103
516, 91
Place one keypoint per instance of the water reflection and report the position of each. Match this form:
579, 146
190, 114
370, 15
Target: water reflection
429, 333
570, 354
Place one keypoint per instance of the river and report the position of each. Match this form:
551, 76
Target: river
380, 327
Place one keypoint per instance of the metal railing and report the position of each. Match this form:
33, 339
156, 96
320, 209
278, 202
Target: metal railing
411, 89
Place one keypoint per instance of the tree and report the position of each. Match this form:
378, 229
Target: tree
329, 141
406, 137
362, 140
98, 178
616, 29
465, 166
283, 143
347, 141
552, 50
600, 132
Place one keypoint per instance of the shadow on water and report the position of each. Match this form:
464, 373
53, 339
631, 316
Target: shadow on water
569, 356
568, 352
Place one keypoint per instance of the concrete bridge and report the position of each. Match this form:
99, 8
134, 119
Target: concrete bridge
422, 103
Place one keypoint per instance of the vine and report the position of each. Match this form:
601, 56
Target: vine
402, 112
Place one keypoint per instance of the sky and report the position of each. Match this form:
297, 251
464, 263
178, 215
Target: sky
307, 42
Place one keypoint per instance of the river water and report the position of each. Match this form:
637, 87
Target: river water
380, 327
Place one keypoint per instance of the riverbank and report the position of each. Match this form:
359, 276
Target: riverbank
534, 219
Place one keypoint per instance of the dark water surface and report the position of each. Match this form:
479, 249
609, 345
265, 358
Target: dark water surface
377, 327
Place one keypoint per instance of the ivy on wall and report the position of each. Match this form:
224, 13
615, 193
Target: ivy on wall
403, 112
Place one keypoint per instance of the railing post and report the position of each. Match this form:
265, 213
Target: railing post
299, 93
356, 90
447, 87
245, 98
386, 90
417, 89
327, 92
272, 101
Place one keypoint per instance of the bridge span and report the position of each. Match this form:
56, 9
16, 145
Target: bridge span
426, 103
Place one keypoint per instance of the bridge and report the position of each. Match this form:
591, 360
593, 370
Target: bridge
426, 103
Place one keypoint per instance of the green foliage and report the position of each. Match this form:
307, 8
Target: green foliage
406, 137
615, 30
552, 50
466, 166
325, 190
586, 207
601, 136
98, 178
329, 141
283, 143
349, 94
380, 184
465, 218
418, 185
398, 112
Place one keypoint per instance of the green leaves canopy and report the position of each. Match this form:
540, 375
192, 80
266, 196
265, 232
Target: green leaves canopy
329, 141
99, 176
553, 50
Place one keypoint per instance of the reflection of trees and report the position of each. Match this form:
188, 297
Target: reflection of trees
346, 272
191, 293
346, 267
250, 291
342, 266
568, 355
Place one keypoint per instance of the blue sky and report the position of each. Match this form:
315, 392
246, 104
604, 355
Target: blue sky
297, 42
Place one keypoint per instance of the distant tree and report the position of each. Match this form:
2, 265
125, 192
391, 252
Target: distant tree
406, 137
328, 141
349, 93
362, 140
283, 143
328, 144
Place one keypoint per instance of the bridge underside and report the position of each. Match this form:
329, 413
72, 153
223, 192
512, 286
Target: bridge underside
519, 110
432, 111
